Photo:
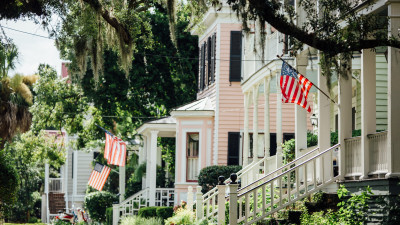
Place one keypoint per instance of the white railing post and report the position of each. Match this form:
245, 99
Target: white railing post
115, 214
199, 203
233, 204
221, 200
190, 198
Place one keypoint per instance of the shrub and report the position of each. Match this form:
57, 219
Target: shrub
97, 203
165, 212
182, 216
208, 177
137, 220
109, 215
148, 212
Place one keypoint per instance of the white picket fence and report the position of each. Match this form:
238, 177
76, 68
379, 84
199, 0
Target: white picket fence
253, 202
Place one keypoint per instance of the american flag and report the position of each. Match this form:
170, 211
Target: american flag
294, 88
118, 153
109, 143
99, 176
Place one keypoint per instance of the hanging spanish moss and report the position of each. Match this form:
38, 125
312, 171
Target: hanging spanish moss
171, 9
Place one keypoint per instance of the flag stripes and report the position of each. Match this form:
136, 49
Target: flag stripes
99, 176
118, 153
295, 87
109, 143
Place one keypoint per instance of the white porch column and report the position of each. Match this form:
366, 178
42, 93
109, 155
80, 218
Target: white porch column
300, 113
393, 93
279, 135
121, 183
368, 105
324, 126
267, 144
46, 190
246, 129
148, 165
255, 123
153, 167
344, 95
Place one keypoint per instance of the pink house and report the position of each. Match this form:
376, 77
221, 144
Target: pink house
212, 130
209, 131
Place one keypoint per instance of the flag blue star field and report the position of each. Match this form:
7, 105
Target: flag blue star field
295, 87
99, 176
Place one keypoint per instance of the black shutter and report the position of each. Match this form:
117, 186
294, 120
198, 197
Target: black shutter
235, 65
233, 148
209, 63
213, 58
202, 67
199, 78
353, 118
272, 144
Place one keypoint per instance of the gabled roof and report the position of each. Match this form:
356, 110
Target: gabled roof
203, 104
199, 108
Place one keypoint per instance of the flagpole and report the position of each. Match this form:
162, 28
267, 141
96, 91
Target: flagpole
312, 83
108, 132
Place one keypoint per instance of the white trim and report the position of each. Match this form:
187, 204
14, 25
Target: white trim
196, 122
186, 183
217, 75
170, 127
184, 135
75, 180
208, 150
192, 113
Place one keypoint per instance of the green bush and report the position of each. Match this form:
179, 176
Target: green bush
137, 220
165, 212
9, 181
109, 215
148, 212
288, 148
208, 177
182, 216
97, 203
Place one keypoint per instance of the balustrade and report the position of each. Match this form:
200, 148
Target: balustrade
55, 185
352, 148
378, 159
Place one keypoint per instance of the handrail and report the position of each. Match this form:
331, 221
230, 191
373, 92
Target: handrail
133, 196
377, 133
290, 170
282, 167
239, 174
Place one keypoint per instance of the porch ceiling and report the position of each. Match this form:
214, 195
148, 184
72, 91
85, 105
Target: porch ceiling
270, 69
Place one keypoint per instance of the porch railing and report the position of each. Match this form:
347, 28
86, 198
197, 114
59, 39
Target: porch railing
279, 191
246, 174
131, 205
165, 196
55, 185
378, 153
352, 157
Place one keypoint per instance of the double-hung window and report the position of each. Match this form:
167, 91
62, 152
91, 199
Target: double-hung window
192, 156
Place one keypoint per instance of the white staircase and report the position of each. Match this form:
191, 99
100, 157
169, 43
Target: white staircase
246, 174
287, 184
131, 205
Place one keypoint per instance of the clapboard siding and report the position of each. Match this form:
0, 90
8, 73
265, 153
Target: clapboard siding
84, 170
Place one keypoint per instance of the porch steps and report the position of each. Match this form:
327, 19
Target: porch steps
56, 202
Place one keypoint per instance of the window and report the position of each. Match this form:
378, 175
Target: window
207, 59
192, 156
235, 60
233, 148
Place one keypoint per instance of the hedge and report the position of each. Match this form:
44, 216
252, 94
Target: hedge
208, 177
148, 212
97, 203
165, 212
109, 215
